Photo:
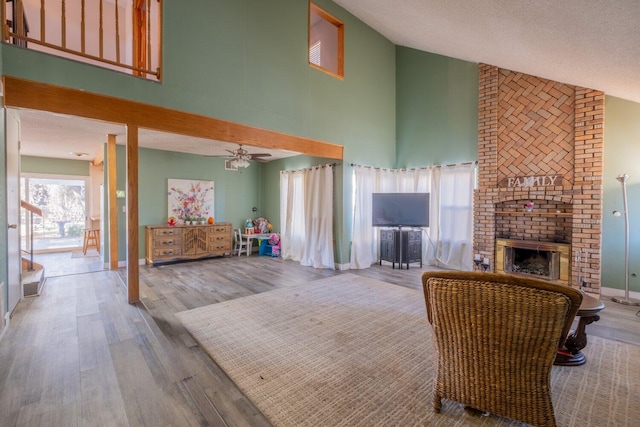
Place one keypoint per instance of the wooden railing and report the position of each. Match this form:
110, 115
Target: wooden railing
33, 210
118, 34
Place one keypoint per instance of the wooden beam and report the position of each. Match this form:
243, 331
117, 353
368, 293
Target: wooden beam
133, 281
112, 186
20, 93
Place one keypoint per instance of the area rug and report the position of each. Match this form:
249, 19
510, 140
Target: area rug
354, 351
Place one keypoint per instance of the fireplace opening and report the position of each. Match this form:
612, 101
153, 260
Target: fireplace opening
534, 262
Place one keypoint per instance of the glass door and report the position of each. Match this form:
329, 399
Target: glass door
63, 203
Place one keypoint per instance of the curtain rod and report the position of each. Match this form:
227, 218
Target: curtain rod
424, 167
331, 165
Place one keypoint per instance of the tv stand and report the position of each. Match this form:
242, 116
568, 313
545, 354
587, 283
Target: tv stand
401, 247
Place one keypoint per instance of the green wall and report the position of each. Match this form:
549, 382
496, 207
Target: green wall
246, 61
436, 109
29, 164
621, 154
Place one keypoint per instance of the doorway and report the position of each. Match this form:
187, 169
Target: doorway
55, 239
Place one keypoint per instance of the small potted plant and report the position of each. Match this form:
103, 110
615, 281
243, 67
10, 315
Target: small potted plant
187, 220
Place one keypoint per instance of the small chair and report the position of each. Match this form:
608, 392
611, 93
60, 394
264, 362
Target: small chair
497, 336
241, 245
91, 240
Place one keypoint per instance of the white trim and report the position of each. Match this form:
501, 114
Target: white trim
345, 266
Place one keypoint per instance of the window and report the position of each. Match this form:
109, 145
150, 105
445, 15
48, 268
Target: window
326, 42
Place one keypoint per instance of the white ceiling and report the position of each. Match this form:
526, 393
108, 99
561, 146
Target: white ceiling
60, 136
589, 43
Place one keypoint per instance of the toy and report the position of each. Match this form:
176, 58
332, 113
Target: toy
274, 241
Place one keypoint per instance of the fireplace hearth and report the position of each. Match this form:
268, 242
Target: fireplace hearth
544, 260
545, 264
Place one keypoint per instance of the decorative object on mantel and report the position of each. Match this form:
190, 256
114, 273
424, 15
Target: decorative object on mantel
190, 200
626, 300
533, 181
528, 207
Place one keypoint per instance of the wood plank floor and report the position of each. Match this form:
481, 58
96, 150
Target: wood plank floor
80, 355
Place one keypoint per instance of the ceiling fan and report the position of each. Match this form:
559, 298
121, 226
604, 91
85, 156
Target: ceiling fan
239, 158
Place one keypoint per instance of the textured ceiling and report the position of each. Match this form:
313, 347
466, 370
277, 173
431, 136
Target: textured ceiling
589, 43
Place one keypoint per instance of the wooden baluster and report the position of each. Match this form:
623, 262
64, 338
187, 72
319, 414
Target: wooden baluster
5, 28
43, 33
82, 29
63, 21
101, 33
117, 35
148, 53
19, 17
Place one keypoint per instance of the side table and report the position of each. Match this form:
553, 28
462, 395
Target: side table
577, 340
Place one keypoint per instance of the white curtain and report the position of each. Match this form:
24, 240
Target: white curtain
447, 242
451, 232
364, 242
306, 216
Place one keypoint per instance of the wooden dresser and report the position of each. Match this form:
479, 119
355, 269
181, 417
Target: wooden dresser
184, 242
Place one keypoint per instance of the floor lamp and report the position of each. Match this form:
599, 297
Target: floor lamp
626, 300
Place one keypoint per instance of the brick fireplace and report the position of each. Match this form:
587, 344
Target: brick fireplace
540, 143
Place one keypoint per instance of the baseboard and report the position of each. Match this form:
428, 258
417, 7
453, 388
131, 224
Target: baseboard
124, 263
615, 292
346, 266
7, 320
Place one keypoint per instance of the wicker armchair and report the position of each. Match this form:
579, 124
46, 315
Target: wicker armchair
497, 336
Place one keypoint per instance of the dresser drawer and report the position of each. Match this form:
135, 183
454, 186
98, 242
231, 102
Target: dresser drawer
222, 228
164, 241
166, 232
166, 252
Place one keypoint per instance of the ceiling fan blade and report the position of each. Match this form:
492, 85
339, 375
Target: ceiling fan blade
258, 159
261, 155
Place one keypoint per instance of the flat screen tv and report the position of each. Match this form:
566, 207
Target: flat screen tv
400, 209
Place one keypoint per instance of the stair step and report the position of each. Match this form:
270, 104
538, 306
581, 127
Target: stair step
32, 282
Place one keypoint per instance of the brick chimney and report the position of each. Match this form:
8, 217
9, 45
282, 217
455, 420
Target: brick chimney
540, 141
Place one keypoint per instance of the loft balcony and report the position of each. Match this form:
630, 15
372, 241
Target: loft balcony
123, 35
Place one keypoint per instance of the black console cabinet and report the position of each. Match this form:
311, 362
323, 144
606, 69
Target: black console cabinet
411, 247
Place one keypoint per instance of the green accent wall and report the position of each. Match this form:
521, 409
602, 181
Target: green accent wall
246, 61
29, 164
621, 155
436, 110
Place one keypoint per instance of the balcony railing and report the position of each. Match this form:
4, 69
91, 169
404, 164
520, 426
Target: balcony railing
124, 35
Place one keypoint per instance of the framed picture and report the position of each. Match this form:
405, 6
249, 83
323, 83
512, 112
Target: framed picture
190, 199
